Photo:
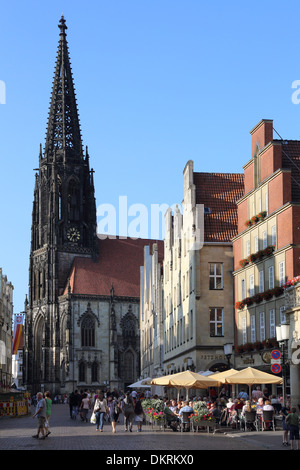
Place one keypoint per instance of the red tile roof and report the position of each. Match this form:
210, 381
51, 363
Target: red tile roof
219, 193
119, 263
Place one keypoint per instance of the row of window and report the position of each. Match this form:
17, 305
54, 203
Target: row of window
261, 281
181, 292
265, 242
178, 334
262, 327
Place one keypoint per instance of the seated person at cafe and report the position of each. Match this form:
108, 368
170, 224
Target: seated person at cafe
186, 409
171, 418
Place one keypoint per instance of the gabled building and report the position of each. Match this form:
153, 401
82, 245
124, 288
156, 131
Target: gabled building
197, 267
267, 246
151, 311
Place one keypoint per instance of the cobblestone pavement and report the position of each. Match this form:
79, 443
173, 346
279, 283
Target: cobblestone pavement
67, 434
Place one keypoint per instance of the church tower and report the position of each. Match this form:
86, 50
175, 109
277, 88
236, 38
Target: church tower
63, 225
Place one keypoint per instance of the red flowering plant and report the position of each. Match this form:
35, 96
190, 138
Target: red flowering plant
153, 409
248, 301
277, 291
262, 215
292, 282
244, 262
239, 305
257, 298
201, 413
268, 294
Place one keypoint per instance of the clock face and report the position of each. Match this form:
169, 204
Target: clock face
73, 235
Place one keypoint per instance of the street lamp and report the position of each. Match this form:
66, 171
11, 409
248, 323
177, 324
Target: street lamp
228, 352
282, 336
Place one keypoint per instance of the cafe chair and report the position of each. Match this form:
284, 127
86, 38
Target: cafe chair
251, 420
268, 420
185, 421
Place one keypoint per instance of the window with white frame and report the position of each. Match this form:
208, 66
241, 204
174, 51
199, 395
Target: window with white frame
281, 269
252, 329
216, 321
267, 201
261, 281
265, 239
243, 288
215, 276
191, 279
244, 330
272, 323
247, 248
256, 244
282, 315
262, 329
274, 235
251, 285
271, 277
191, 324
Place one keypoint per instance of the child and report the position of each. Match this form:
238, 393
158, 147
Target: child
293, 421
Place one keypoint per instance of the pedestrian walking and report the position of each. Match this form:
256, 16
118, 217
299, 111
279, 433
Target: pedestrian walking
285, 410
114, 411
292, 420
128, 409
100, 409
84, 407
139, 415
48, 412
40, 412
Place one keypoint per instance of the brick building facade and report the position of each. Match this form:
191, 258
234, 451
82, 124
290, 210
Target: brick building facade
267, 247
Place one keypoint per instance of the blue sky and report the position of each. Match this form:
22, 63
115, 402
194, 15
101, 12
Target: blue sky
159, 82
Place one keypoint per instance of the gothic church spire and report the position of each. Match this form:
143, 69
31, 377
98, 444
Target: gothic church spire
63, 132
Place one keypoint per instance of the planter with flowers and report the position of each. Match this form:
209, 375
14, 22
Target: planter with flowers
292, 282
256, 218
154, 411
202, 418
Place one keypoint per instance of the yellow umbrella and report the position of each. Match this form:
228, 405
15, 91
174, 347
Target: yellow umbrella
250, 376
221, 376
186, 379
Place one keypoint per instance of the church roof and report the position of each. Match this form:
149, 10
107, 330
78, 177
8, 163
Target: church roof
119, 264
218, 192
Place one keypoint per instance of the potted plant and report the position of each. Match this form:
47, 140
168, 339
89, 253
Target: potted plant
257, 345
239, 305
268, 294
277, 291
257, 298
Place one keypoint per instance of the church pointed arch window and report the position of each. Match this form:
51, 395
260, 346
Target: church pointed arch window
95, 372
73, 201
88, 332
81, 371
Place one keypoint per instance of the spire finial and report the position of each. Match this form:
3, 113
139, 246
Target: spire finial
62, 26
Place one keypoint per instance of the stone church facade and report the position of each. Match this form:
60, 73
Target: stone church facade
81, 327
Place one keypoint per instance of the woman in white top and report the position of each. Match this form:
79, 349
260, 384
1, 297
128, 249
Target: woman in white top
267, 406
100, 409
